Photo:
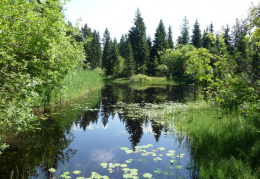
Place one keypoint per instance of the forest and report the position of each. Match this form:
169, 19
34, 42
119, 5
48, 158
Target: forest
40, 53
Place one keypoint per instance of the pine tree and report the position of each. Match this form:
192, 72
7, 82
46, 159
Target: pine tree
211, 28
196, 36
137, 36
96, 52
227, 38
114, 59
129, 68
87, 34
106, 58
160, 41
184, 38
169, 38
123, 45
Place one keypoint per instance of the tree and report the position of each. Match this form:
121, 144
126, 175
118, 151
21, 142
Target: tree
160, 41
184, 38
116, 60
227, 38
169, 38
106, 58
96, 52
36, 53
211, 28
175, 61
137, 37
123, 45
196, 36
129, 67
255, 36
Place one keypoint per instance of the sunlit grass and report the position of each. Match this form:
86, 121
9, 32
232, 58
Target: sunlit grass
225, 145
76, 84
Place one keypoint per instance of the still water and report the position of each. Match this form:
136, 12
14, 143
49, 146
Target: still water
95, 134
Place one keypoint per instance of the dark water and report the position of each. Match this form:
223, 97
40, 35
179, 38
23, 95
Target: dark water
92, 130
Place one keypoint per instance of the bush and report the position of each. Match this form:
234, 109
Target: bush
140, 78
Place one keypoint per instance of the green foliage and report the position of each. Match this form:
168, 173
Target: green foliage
175, 60
36, 53
198, 65
140, 78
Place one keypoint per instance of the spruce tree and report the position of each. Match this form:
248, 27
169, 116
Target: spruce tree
96, 52
137, 36
106, 58
184, 38
123, 45
211, 28
196, 36
227, 38
114, 59
129, 65
160, 41
169, 38
87, 34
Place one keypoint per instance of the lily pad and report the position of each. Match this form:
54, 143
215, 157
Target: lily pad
127, 175
52, 170
123, 165
158, 170
161, 148
76, 172
147, 175
104, 165
117, 164
124, 148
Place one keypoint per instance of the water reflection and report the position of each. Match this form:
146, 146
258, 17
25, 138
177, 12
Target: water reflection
60, 141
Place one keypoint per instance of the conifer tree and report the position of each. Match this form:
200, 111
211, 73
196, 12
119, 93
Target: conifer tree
96, 52
160, 41
129, 65
106, 58
137, 36
169, 38
211, 28
184, 38
227, 38
123, 45
114, 59
196, 36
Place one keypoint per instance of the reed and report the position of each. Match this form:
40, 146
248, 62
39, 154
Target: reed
76, 84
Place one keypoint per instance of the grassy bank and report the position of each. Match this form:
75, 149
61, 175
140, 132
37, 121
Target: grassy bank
142, 79
76, 84
225, 146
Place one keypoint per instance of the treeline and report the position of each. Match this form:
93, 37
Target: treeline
136, 53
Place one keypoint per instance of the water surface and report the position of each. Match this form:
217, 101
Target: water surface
93, 130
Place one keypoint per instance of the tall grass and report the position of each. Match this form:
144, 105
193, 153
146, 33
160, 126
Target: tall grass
225, 146
76, 84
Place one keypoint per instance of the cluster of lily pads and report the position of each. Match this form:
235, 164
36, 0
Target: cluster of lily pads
144, 150
162, 112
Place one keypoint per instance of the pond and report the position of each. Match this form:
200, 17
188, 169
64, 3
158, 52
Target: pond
105, 135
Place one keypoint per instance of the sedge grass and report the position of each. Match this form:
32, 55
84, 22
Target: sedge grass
76, 84
225, 145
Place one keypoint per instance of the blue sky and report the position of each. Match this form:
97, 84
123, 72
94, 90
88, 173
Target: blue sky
118, 15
